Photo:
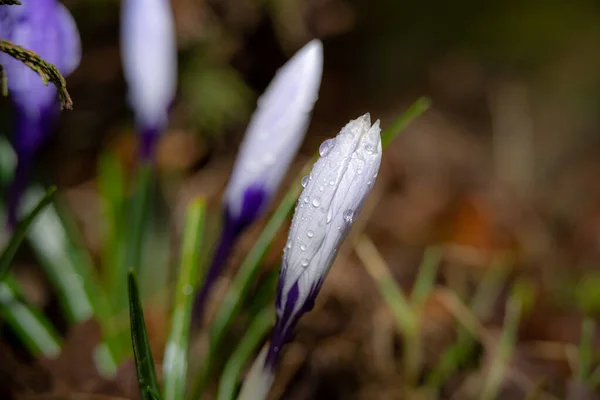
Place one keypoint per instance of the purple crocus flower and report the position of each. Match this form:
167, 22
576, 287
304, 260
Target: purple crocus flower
271, 142
330, 202
47, 28
149, 55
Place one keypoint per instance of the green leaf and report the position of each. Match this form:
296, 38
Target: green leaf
55, 241
111, 188
20, 232
425, 277
176, 354
29, 324
136, 226
408, 116
254, 336
144, 362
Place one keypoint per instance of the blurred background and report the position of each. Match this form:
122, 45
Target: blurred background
506, 161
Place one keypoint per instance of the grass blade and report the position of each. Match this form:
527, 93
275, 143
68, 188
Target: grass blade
175, 360
29, 324
426, 277
136, 225
251, 341
414, 111
69, 267
397, 302
111, 188
20, 232
144, 362
586, 349
515, 306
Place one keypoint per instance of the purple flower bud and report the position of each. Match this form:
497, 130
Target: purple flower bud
47, 28
272, 139
149, 55
333, 195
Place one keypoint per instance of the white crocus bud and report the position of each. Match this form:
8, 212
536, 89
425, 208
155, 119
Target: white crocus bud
333, 195
274, 134
271, 142
149, 57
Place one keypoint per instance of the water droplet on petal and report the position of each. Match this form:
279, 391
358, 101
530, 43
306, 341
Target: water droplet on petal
321, 188
303, 247
316, 202
304, 180
310, 234
304, 262
326, 147
369, 148
332, 182
348, 215
306, 199
329, 215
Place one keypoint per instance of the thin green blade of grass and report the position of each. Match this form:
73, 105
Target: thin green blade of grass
111, 188
136, 213
21, 230
586, 349
516, 305
482, 305
70, 269
175, 360
248, 346
397, 303
53, 238
29, 324
240, 285
413, 112
144, 363
426, 276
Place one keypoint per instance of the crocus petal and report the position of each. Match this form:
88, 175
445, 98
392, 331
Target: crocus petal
41, 26
272, 139
277, 128
71, 43
333, 195
149, 55
47, 28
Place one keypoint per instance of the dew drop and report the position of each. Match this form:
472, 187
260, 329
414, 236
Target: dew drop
303, 247
304, 180
310, 234
348, 215
304, 262
326, 147
289, 245
369, 148
332, 182
321, 188
316, 202
329, 215
306, 199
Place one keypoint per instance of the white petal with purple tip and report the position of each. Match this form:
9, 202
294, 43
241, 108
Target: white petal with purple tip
278, 126
319, 227
149, 56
